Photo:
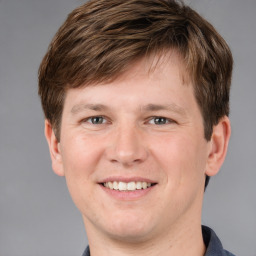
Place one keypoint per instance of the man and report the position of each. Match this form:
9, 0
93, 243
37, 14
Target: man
136, 101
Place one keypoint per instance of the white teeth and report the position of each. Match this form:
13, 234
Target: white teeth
130, 186
122, 186
115, 185
138, 185
110, 185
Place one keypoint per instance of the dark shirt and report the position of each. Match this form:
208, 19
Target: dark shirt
212, 243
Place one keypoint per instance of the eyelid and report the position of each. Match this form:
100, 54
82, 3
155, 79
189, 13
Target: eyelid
169, 120
106, 120
86, 120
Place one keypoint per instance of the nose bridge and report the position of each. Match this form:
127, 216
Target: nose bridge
127, 146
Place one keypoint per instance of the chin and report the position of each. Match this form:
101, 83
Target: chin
129, 230
130, 236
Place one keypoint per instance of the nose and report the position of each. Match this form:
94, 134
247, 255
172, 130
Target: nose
127, 146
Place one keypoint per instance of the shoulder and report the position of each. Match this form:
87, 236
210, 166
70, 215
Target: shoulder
213, 243
228, 253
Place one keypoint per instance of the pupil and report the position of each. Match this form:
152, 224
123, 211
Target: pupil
160, 120
97, 120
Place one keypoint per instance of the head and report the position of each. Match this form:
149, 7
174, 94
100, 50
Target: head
99, 54
100, 40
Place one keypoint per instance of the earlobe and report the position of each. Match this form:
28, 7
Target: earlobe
218, 146
54, 148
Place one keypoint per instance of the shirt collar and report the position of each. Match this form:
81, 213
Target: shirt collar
213, 244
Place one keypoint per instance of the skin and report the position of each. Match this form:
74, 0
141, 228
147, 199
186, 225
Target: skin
127, 142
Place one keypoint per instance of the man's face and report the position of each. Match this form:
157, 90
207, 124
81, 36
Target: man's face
144, 129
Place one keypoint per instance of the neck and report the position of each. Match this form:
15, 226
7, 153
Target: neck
184, 241
182, 238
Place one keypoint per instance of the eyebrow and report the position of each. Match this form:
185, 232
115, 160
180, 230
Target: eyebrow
169, 107
147, 108
80, 107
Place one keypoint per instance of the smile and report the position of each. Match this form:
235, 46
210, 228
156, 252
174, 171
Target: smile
127, 186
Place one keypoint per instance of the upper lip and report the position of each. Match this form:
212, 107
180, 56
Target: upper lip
126, 179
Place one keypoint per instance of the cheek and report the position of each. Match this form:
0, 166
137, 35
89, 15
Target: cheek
79, 154
182, 159
80, 157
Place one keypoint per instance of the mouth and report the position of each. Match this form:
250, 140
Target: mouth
127, 186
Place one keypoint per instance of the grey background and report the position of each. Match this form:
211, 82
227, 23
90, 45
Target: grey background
37, 216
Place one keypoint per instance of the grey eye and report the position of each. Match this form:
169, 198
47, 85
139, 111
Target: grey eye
160, 120
96, 120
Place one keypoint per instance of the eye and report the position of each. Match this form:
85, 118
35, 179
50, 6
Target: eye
158, 120
96, 120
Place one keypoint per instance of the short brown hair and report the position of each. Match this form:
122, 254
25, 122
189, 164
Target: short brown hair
100, 39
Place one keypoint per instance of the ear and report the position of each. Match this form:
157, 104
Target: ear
218, 146
54, 147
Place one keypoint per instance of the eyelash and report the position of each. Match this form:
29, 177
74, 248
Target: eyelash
165, 119
89, 120
162, 120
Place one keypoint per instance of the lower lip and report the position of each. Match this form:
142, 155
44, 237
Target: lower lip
128, 195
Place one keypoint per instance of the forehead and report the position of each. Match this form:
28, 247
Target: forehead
158, 65
147, 65
148, 82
